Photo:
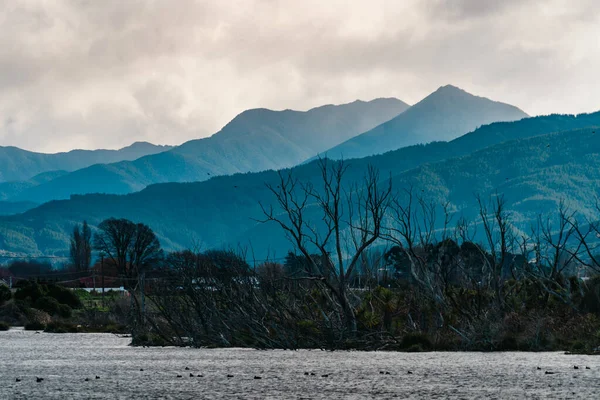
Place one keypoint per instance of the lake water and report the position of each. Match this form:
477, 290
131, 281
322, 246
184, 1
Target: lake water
66, 360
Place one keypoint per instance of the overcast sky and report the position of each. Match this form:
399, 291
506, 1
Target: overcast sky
90, 74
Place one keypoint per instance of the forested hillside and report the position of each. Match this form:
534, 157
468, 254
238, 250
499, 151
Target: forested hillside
533, 173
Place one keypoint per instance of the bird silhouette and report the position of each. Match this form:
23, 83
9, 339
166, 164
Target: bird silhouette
97, 377
179, 376
549, 373
325, 376
18, 380
230, 376
141, 369
187, 368
257, 377
87, 379
575, 367
38, 380
409, 373
587, 368
191, 375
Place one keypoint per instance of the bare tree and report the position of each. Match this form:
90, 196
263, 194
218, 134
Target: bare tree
499, 239
132, 247
347, 221
412, 228
588, 240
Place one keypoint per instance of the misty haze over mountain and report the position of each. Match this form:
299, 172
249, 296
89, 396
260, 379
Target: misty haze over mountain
444, 115
509, 156
255, 140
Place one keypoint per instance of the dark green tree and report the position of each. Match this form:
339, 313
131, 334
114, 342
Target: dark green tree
81, 247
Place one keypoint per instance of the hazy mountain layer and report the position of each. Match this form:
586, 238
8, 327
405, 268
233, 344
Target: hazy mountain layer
255, 140
446, 114
533, 171
20, 165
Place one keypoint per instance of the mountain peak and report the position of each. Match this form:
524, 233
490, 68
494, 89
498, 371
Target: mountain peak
443, 115
450, 91
450, 87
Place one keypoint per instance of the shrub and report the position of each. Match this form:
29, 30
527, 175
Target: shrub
416, 339
12, 314
34, 326
82, 294
508, 343
4, 326
5, 294
60, 327
64, 311
151, 339
48, 304
415, 348
29, 291
64, 296
579, 347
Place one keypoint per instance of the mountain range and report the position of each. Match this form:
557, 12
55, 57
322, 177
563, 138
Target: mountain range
261, 139
535, 162
445, 114
255, 140
21, 165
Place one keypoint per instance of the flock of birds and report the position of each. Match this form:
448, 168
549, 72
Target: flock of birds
552, 373
191, 375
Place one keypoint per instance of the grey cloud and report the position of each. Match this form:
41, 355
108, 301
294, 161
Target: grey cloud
106, 73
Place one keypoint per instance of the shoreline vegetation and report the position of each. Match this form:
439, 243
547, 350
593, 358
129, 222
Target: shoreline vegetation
372, 269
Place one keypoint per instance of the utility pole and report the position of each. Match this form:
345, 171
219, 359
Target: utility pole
102, 272
143, 297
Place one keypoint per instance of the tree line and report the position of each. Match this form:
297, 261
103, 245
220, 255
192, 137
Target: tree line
372, 267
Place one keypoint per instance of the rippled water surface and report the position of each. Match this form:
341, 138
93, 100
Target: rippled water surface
66, 360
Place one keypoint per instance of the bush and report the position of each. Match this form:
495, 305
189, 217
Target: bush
579, 347
29, 291
151, 339
48, 304
64, 296
60, 327
5, 294
415, 348
509, 343
416, 339
82, 294
12, 314
4, 326
64, 311
34, 326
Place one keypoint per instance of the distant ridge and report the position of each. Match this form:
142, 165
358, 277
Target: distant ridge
254, 140
526, 160
445, 114
19, 165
